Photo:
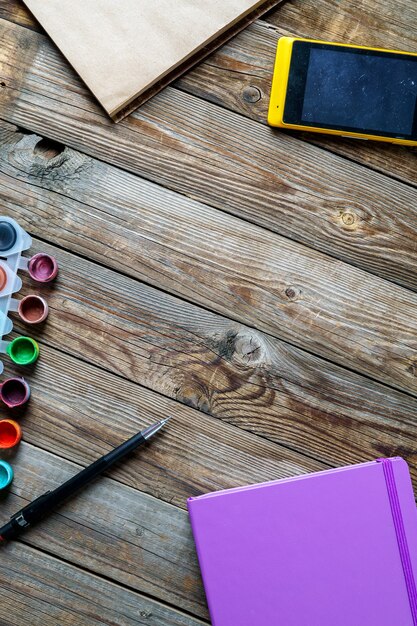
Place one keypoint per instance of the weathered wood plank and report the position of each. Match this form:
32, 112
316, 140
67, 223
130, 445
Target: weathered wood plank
111, 530
372, 23
222, 368
187, 145
238, 76
15, 11
37, 587
80, 412
216, 260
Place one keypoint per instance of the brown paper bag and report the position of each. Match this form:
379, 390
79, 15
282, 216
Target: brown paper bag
127, 50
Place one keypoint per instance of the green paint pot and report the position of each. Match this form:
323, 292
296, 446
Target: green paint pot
23, 350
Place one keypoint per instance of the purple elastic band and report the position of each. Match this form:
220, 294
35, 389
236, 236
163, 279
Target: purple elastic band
401, 536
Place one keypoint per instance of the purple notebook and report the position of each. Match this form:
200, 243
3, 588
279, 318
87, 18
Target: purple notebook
336, 548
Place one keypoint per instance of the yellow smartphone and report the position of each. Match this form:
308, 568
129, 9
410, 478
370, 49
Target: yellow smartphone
339, 89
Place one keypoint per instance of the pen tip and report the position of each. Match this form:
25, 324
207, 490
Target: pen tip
151, 430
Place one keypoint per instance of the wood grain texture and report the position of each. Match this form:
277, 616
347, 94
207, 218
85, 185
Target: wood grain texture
223, 160
15, 11
52, 592
216, 260
371, 23
239, 76
90, 411
215, 365
111, 530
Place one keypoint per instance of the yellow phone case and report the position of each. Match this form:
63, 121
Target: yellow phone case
279, 91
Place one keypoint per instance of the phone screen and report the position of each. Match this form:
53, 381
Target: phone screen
353, 89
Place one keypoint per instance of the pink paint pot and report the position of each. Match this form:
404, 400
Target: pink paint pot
10, 434
33, 309
43, 267
14, 392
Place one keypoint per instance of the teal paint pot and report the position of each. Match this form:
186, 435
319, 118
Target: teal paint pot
6, 474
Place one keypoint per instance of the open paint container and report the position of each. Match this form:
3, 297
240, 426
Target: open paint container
6, 474
13, 239
42, 267
23, 350
14, 392
10, 434
33, 309
9, 281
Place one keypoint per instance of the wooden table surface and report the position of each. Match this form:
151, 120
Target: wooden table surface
258, 285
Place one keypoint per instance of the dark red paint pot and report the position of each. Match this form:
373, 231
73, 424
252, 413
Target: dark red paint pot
14, 392
43, 267
33, 309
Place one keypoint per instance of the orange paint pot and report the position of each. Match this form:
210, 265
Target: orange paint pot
3, 278
10, 434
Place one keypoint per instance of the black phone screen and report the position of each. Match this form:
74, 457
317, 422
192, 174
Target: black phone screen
349, 89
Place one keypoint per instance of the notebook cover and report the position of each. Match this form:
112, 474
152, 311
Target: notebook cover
336, 548
126, 51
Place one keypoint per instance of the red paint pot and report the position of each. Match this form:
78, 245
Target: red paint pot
33, 309
14, 392
43, 267
10, 434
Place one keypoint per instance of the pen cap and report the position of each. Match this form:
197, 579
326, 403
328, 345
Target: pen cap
6, 474
10, 434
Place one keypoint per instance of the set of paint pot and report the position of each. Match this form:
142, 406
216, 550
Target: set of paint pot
32, 309
14, 392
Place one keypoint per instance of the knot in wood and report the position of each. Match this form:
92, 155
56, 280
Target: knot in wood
349, 218
292, 293
48, 149
252, 94
195, 395
249, 349
412, 368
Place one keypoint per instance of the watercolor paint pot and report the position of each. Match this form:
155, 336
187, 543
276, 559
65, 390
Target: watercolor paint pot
14, 392
10, 434
23, 350
6, 474
8, 236
33, 309
3, 278
43, 267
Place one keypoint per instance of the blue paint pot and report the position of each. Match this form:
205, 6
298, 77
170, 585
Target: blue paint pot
6, 474
8, 236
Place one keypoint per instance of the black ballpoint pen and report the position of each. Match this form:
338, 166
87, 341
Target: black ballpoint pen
48, 501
